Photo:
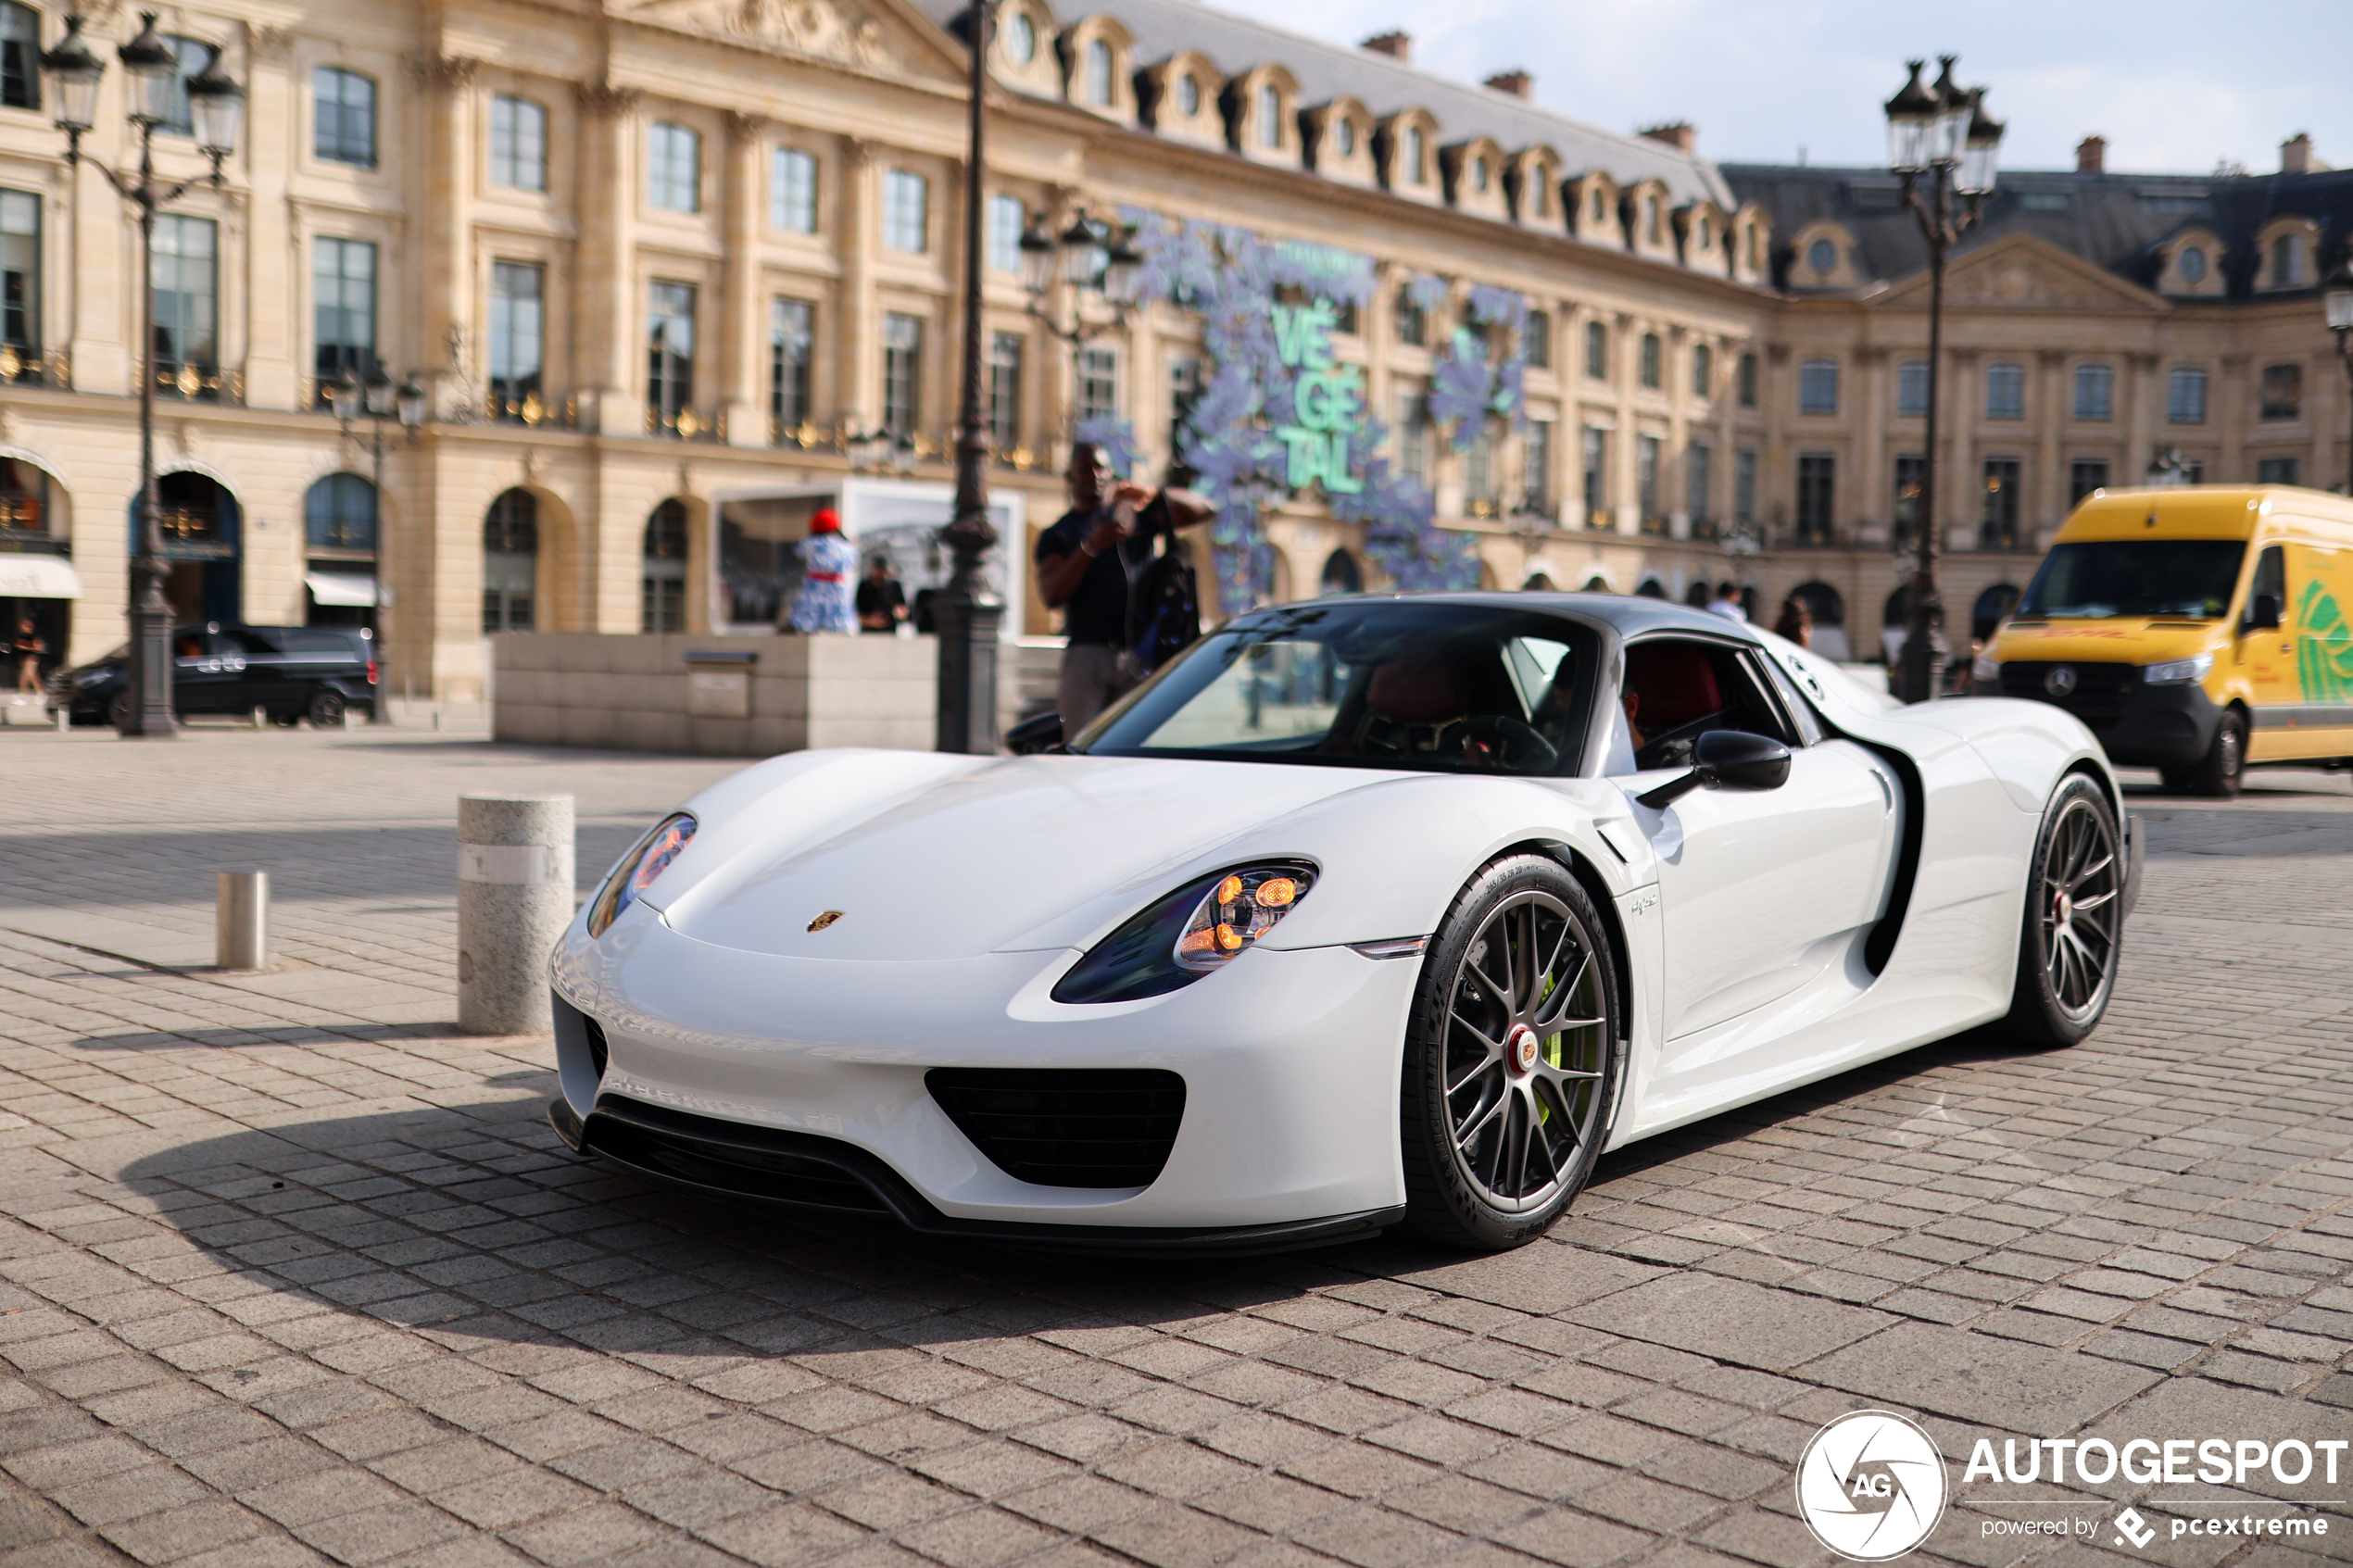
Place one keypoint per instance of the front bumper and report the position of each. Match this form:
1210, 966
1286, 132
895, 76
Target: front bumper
1290, 1061
2139, 726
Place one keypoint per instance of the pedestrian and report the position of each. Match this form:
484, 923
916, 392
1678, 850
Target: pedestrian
30, 648
1087, 563
1796, 622
1726, 603
882, 603
827, 562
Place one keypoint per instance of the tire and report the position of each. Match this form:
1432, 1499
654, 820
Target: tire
2224, 766
1521, 1094
326, 710
2074, 922
119, 710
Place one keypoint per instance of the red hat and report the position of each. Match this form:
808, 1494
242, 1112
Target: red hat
824, 521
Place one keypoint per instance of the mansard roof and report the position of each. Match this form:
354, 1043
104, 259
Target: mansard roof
2118, 222
1162, 28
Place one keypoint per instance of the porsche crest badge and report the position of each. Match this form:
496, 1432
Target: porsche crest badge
825, 920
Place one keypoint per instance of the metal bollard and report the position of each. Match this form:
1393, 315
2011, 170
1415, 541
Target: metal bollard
241, 921
65, 721
514, 900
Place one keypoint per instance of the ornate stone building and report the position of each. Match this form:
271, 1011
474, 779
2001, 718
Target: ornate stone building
676, 272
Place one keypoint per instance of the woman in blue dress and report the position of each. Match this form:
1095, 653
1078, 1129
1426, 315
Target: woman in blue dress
829, 572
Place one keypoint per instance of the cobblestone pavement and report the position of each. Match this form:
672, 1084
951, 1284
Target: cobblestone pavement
288, 1273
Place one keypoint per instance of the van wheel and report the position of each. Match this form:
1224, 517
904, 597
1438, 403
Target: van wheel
2219, 775
326, 710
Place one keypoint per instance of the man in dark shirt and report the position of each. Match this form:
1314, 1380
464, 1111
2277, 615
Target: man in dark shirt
1085, 563
882, 603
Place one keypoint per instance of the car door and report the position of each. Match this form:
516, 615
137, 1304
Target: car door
208, 671
1760, 890
2266, 657
265, 683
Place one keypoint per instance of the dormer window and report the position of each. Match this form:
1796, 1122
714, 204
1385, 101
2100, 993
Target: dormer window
1414, 155
1650, 219
1705, 238
2190, 264
1344, 136
1822, 257
1098, 84
1270, 115
1601, 206
1540, 201
1020, 39
1188, 94
1478, 172
2287, 261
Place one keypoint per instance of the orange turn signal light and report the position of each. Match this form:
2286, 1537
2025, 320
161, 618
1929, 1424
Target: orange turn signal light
1229, 890
1276, 891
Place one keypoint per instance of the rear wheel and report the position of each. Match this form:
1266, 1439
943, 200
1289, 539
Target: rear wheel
1511, 1059
2075, 924
326, 710
2224, 766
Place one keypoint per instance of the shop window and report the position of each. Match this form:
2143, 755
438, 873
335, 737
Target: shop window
663, 572
1341, 575
339, 513
511, 563
24, 504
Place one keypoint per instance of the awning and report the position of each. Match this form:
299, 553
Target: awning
38, 577
342, 588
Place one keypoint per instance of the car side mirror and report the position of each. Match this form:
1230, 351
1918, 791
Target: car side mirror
1043, 732
2263, 615
1726, 760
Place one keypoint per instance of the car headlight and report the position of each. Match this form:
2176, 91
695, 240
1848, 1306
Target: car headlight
637, 869
1203, 926
1985, 668
2178, 672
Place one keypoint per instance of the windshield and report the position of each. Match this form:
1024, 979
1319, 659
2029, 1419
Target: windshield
1369, 683
2188, 578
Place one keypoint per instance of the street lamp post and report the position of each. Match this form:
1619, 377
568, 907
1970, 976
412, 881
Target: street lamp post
967, 612
380, 400
216, 106
1939, 134
2336, 298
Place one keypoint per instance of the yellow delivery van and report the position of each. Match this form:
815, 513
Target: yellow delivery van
2194, 629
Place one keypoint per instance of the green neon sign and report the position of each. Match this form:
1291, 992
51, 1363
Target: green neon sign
1327, 400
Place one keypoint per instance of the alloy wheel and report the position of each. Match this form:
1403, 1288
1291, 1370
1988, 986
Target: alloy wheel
2079, 895
1526, 1051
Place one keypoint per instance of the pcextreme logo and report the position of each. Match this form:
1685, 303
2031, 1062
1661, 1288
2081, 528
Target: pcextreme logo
1871, 1485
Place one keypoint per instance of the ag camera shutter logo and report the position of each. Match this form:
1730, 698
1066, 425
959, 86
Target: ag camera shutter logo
1871, 1485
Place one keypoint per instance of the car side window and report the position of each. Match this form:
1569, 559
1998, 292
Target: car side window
2271, 577
1678, 689
1800, 711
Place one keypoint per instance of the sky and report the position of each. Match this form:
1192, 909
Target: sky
2175, 87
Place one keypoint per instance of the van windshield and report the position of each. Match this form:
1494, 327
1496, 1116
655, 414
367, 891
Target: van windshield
2191, 579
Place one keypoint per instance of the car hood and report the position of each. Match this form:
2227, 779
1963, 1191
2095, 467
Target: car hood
2120, 641
1006, 855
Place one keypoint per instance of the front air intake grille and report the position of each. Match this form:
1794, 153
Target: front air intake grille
2100, 690
599, 1054
1065, 1127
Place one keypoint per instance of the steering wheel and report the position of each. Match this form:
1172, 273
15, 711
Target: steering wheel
1508, 737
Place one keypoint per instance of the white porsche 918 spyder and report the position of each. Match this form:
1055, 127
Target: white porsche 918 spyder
1362, 912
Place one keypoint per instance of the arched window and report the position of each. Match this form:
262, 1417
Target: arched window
2287, 261
1099, 74
1650, 220
1344, 135
662, 577
1270, 115
1478, 172
19, 55
1413, 155
1021, 38
511, 563
340, 514
1342, 576
1189, 93
1652, 588
1601, 206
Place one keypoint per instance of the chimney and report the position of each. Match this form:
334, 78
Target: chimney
2090, 155
1518, 83
2295, 156
1397, 45
1679, 135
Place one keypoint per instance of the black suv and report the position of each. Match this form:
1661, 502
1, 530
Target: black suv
291, 673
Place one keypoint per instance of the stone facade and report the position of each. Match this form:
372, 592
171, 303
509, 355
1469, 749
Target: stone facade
737, 174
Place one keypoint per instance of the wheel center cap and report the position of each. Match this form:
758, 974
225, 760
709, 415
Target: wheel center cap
2066, 908
1520, 1047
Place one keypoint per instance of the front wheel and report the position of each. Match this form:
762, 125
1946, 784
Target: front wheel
1511, 1059
2074, 926
326, 710
2225, 765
